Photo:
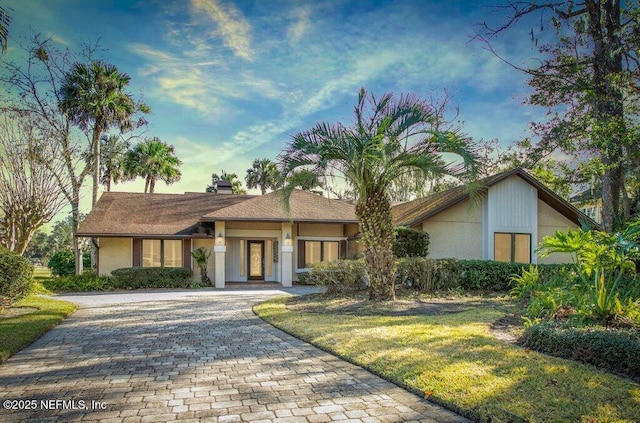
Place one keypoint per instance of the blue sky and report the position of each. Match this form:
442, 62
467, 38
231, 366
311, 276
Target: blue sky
230, 81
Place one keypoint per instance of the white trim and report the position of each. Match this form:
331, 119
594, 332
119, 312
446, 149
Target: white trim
287, 248
322, 238
220, 248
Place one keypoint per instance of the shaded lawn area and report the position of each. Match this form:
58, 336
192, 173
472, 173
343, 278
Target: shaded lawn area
453, 360
18, 331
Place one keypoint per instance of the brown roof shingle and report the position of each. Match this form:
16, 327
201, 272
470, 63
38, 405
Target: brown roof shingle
304, 207
126, 213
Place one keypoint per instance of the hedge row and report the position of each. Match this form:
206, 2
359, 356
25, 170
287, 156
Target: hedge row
613, 349
15, 275
126, 278
425, 274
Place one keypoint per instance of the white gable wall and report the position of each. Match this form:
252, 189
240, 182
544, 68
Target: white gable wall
511, 207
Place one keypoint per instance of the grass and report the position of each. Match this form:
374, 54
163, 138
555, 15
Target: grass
17, 332
452, 359
40, 273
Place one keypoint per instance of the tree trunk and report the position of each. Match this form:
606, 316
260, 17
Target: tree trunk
75, 213
608, 108
374, 214
97, 130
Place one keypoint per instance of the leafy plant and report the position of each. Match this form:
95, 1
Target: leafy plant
410, 243
602, 261
15, 275
201, 256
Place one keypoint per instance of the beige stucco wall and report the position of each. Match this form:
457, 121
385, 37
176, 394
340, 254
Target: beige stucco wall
550, 221
274, 226
114, 253
321, 229
456, 232
208, 244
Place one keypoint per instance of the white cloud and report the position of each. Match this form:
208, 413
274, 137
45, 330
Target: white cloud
232, 26
301, 23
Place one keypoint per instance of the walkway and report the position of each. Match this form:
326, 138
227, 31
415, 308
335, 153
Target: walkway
191, 356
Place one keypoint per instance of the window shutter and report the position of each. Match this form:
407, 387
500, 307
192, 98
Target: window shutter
137, 252
301, 263
186, 254
342, 251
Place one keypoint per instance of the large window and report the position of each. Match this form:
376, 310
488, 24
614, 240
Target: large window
512, 247
317, 251
161, 253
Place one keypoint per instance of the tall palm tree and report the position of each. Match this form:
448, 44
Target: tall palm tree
113, 150
93, 96
264, 174
153, 159
389, 138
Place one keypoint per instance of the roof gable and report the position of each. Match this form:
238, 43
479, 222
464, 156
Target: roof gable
415, 212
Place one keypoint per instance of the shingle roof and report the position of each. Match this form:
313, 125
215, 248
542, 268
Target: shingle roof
125, 213
304, 207
414, 212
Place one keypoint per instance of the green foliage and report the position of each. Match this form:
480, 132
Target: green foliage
236, 184
338, 276
604, 263
263, 174
15, 275
613, 349
201, 256
152, 277
63, 262
153, 159
86, 282
410, 243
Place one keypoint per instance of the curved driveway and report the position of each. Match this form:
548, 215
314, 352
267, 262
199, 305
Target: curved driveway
192, 356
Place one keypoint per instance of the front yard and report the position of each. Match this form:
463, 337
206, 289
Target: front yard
456, 359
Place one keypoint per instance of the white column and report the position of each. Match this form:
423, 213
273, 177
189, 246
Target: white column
286, 255
220, 252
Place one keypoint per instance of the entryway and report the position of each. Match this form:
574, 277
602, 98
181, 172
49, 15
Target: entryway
255, 260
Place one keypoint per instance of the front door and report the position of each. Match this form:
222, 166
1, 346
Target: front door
256, 260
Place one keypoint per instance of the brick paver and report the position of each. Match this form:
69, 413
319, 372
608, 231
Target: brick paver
205, 358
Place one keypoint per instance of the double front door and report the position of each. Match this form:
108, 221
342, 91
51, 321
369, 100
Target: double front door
255, 260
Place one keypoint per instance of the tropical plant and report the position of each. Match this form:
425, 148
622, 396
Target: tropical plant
94, 98
236, 185
201, 256
263, 174
389, 138
113, 152
153, 159
603, 262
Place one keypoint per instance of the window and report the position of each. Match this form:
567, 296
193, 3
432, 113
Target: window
161, 253
512, 247
316, 252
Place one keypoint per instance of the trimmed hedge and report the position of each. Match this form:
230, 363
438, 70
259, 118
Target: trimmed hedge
15, 275
613, 349
80, 283
338, 276
151, 277
425, 274
410, 243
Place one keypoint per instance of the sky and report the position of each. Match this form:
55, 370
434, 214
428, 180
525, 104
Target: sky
230, 81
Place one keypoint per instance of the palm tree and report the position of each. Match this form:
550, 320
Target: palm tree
264, 174
113, 152
153, 159
5, 20
93, 96
236, 185
389, 138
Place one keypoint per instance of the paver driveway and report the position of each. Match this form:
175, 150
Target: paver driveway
196, 355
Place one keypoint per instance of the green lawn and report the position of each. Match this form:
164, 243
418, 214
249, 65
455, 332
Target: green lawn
452, 359
19, 331
40, 273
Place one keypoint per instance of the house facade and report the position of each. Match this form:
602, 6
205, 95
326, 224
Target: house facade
256, 238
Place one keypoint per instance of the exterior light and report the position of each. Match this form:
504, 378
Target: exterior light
220, 239
287, 239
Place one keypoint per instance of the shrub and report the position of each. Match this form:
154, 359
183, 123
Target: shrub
86, 282
410, 243
613, 349
15, 275
151, 277
62, 263
338, 276
425, 274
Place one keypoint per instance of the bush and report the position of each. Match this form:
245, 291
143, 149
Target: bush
15, 275
410, 243
62, 263
613, 349
338, 276
151, 277
86, 282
